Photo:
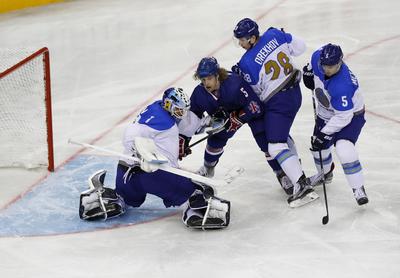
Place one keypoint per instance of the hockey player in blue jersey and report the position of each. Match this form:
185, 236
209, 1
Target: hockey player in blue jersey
223, 94
156, 124
267, 65
340, 115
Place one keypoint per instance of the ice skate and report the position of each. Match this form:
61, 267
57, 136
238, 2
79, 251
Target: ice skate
317, 181
206, 171
360, 195
304, 193
285, 182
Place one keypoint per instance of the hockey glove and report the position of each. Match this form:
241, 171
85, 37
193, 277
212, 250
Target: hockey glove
234, 122
220, 115
308, 77
320, 141
184, 149
235, 69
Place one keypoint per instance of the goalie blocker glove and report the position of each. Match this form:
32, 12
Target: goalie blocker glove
184, 149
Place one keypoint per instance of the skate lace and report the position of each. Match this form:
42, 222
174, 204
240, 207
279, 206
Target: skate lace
359, 193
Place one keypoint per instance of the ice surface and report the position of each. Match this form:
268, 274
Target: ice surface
109, 58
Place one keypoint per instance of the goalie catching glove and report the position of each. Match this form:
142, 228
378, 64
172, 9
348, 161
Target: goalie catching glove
99, 202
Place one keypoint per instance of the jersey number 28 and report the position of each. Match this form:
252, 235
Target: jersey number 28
276, 66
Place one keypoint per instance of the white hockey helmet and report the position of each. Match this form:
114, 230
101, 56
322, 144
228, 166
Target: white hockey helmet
176, 102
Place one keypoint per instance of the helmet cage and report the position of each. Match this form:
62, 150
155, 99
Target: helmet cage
176, 102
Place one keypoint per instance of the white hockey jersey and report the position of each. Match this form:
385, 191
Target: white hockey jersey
155, 123
269, 62
339, 97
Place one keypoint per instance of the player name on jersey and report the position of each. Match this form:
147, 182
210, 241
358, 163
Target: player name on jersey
265, 51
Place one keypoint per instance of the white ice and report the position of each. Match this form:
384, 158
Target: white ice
110, 58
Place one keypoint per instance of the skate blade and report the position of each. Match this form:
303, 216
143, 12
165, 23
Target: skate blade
310, 197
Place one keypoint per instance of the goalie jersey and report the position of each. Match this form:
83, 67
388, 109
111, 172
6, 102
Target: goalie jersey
156, 123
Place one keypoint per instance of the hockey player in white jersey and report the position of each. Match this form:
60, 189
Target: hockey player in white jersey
155, 135
267, 65
340, 115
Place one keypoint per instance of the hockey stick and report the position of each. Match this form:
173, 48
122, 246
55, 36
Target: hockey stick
210, 133
161, 166
325, 219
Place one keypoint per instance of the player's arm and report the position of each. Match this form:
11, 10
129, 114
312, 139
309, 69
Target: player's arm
297, 46
248, 106
341, 101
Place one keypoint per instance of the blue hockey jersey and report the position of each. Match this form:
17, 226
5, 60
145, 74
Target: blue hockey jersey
234, 95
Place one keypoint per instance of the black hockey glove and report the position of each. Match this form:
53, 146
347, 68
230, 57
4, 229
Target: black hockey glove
234, 122
235, 69
308, 77
220, 115
320, 141
184, 149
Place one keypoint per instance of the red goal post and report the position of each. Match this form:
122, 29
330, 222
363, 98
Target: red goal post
26, 133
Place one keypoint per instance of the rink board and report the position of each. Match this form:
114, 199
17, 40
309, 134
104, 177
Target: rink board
11, 5
51, 208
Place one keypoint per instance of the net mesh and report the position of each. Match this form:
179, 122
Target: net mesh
23, 129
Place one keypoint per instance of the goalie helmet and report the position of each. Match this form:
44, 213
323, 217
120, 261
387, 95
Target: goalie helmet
331, 54
207, 66
176, 102
246, 28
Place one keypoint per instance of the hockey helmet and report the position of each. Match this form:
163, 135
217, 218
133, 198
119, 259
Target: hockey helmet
331, 54
176, 102
246, 28
207, 66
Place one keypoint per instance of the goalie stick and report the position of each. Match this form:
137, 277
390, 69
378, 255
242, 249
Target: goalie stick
232, 174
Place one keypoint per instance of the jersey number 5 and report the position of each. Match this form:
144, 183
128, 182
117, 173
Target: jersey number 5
276, 66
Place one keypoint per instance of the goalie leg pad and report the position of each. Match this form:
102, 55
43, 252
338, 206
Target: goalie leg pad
100, 204
213, 213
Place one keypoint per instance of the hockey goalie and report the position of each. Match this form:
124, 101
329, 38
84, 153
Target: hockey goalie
153, 140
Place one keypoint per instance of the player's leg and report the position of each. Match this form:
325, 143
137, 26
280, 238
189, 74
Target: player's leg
214, 150
280, 113
203, 212
203, 209
326, 155
174, 190
348, 156
128, 187
282, 178
100, 202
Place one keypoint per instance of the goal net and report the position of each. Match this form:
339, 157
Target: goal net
26, 138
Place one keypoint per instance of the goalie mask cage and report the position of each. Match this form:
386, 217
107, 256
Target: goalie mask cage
26, 137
